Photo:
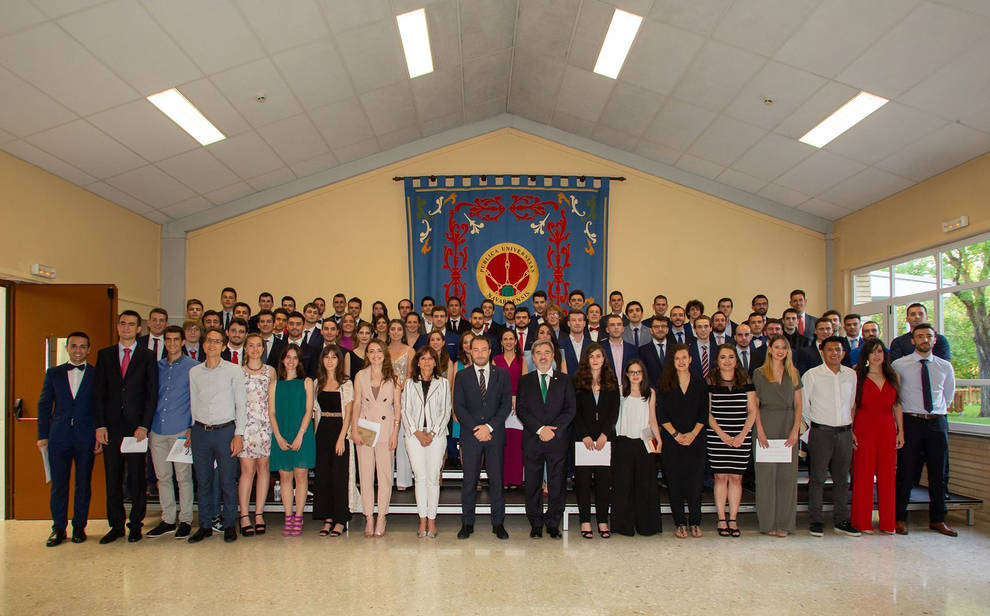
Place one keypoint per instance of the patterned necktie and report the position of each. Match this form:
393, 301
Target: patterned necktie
125, 363
926, 386
705, 365
543, 386
481, 384
745, 360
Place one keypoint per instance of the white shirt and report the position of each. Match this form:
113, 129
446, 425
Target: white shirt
617, 351
940, 374
578, 344
217, 395
120, 351
479, 371
75, 378
829, 397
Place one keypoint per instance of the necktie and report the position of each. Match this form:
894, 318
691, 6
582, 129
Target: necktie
264, 352
233, 357
156, 347
745, 360
926, 386
192, 353
80, 367
486, 328
660, 351
705, 365
522, 341
543, 386
481, 385
680, 337
125, 363
636, 336
226, 320
801, 324
305, 338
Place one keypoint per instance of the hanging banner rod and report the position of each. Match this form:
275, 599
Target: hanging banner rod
531, 176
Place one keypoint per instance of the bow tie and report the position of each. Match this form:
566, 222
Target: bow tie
592, 329
80, 367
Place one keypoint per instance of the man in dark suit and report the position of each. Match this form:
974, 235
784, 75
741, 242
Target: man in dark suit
915, 315
228, 297
680, 329
725, 306
451, 339
796, 339
703, 349
265, 302
546, 407
153, 340
65, 435
477, 328
491, 326
616, 303
191, 346
525, 334
236, 333
659, 310
749, 355
573, 343
654, 352
482, 402
810, 356
618, 352
125, 394
270, 342
455, 320
806, 322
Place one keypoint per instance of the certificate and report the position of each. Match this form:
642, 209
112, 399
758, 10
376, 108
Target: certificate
180, 452
777, 452
512, 422
592, 457
48, 467
129, 444
369, 431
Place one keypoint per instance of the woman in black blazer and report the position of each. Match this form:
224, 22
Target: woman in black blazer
597, 397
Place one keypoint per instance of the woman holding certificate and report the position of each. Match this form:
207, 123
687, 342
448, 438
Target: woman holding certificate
778, 417
375, 432
597, 398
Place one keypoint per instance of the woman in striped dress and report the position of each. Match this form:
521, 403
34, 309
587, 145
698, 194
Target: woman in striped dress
730, 420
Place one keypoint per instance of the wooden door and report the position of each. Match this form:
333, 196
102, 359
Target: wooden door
42, 315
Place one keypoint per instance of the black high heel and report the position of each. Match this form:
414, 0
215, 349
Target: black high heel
246, 531
722, 532
259, 529
337, 533
735, 532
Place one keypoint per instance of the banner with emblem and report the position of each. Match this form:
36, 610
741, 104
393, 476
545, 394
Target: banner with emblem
502, 237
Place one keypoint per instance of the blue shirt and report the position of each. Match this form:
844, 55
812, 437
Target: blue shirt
941, 375
172, 414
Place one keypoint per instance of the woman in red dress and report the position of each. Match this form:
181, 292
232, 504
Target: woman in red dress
512, 360
878, 432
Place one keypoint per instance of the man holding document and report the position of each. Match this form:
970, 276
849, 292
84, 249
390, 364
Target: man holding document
545, 405
124, 398
170, 426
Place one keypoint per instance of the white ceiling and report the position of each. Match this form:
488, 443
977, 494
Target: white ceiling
74, 74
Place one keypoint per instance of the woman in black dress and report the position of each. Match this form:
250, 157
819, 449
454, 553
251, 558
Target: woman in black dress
683, 411
334, 395
597, 397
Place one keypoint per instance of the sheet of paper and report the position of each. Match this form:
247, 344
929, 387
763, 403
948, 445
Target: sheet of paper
513, 423
129, 444
373, 426
593, 457
48, 467
181, 452
777, 452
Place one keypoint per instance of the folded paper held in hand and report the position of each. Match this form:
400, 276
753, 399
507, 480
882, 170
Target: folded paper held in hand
181, 452
776, 452
592, 457
129, 444
368, 431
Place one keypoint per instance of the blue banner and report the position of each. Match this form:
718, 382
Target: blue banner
503, 237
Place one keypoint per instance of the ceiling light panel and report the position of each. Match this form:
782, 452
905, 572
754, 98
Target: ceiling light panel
621, 33
182, 112
415, 42
844, 118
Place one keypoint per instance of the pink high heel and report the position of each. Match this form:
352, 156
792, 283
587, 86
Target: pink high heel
290, 521
297, 528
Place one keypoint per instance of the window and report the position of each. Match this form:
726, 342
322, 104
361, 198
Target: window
952, 282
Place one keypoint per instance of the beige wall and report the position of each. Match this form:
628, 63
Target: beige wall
911, 221
350, 236
86, 238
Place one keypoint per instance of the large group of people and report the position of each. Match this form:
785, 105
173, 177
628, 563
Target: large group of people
545, 395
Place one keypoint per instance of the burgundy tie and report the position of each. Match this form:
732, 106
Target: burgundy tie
156, 347
192, 353
705, 365
125, 363
522, 341
233, 356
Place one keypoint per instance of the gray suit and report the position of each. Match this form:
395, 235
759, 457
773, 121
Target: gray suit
629, 335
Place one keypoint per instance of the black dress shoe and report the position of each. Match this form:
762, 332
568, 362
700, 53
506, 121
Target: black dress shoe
536, 532
56, 538
78, 535
500, 531
553, 532
200, 534
183, 530
465, 531
230, 534
134, 535
112, 535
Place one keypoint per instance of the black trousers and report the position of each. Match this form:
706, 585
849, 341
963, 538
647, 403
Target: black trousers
553, 456
113, 465
473, 450
602, 476
636, 501
330, 485
62, 454
684, 468
926, 441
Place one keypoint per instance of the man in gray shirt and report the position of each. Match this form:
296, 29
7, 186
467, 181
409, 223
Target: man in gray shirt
218, 406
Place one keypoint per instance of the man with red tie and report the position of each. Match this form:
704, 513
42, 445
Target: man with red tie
523, 333
191, 346
236, 333
596, 331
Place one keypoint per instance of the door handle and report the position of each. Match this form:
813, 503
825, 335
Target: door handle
19, 411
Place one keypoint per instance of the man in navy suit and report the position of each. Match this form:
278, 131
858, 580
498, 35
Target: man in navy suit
703, 349
477, 328
456, 322
271, 344
573, 343
811, 356
546, 406
153, 340
915, 315
618, 352
191, 346
654, 352
65, 430
680, 330
451, 339
125, 395
525, 334
482, 402
806, 322
750, 356
851, 323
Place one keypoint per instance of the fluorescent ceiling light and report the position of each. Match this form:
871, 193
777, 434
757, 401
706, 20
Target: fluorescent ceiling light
415, 42
618, 40
844, 118
182, 112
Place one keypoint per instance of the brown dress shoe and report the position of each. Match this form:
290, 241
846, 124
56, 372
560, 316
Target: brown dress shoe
942, 528
901, 528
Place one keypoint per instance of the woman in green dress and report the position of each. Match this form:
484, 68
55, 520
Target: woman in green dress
290, 406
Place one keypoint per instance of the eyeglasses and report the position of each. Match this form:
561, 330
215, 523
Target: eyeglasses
632, 372
212, 341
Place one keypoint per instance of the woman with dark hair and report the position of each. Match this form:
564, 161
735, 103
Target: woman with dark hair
347, 339
464, 351
411, 326
729, 439
636, 503
778, 416
380, 326
597, 399
365, 333
426, 408
290, 404
376, 400
684, 409
379, 309
878, 432
512, 461
332, 415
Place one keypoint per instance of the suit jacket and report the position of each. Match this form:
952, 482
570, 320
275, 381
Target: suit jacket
569, 354
472, 411
274, 351
688, 337
757, 355
463, 325
797, 341
199, 353
434, 407
596, 418
601, 334
451, 339
644, 335
493, 342
653, 360
62, 418
628, 352
809, 357
124, 404
496, 329
226, 355
142, 341
809, 326
696, 356
558, 409
253, 324
901, 346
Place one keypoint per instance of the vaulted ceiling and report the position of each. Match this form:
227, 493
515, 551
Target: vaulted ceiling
692, 94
